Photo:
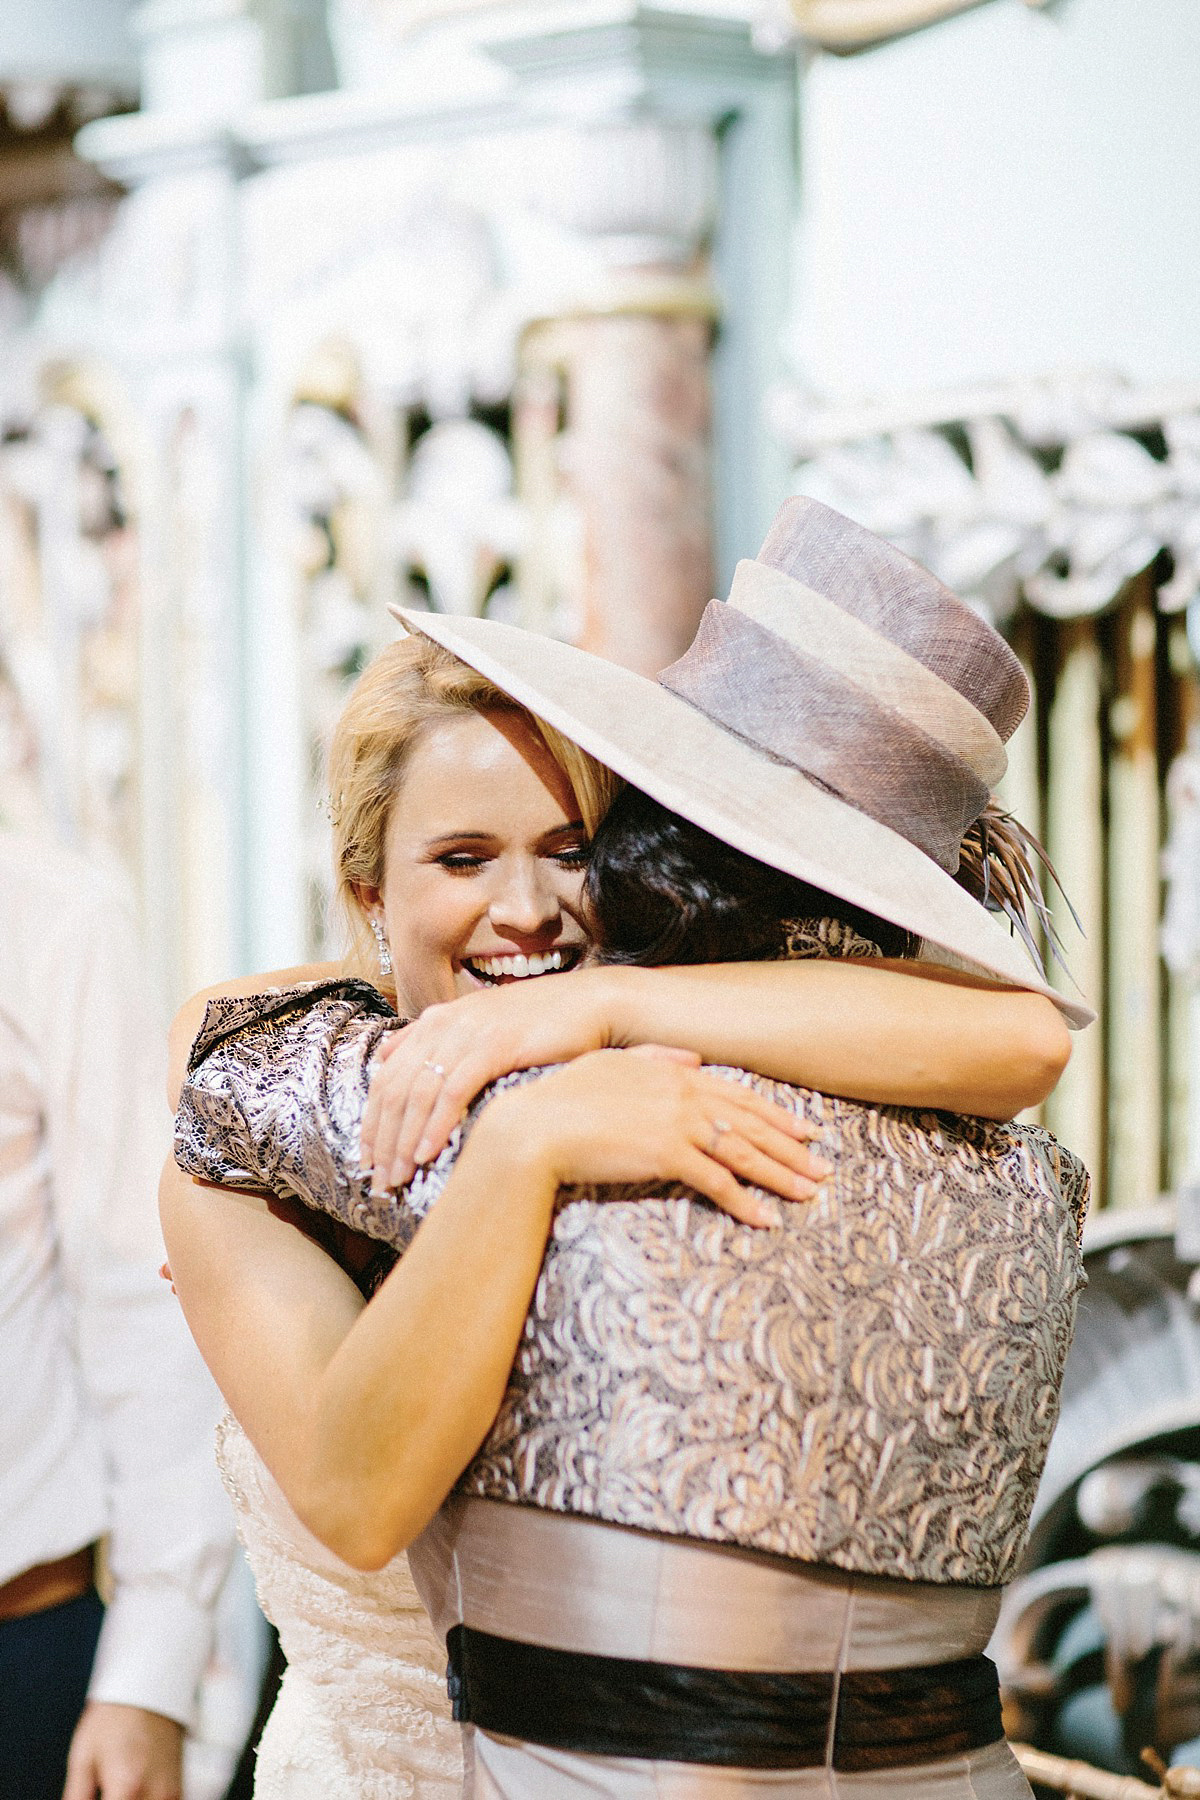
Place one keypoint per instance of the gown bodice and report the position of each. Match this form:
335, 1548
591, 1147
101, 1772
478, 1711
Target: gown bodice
362, 1712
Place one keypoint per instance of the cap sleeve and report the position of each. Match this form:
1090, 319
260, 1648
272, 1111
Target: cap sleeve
275, 1093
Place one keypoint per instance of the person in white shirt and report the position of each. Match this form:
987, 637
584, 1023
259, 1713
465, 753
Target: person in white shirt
107, 1421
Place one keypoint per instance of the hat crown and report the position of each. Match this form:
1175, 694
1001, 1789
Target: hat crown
886, 590
840, 656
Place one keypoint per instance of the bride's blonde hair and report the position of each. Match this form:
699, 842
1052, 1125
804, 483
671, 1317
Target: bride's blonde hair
406, 687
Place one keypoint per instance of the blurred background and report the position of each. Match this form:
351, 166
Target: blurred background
540, 309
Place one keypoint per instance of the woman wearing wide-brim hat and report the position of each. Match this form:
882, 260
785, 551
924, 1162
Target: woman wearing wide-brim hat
767, 1486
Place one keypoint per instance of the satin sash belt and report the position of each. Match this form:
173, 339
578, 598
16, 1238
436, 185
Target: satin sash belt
862, 1721
582, 1584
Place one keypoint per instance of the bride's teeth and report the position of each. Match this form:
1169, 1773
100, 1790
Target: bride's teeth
517, 968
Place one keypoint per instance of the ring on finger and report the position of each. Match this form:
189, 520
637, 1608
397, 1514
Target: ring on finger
719, 1128
437, 1068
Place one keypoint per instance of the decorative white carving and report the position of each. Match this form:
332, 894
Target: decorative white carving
1056, 497
330, 497
70, 626
459, 524
455, 337
413, 272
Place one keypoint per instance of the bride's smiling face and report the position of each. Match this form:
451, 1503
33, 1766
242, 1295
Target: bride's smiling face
484, 862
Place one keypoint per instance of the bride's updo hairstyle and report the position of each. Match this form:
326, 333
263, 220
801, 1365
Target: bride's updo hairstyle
661, 890
407, 687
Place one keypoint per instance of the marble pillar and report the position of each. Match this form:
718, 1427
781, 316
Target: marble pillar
613, 459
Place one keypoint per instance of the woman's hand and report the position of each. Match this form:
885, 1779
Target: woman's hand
427, 1074
650, 1114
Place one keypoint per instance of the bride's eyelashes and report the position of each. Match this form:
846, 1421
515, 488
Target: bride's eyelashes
469, 862
569, 848
460, 862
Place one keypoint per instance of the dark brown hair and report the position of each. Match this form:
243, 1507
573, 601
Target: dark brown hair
661, 890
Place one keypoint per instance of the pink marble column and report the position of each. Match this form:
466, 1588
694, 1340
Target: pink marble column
614, 461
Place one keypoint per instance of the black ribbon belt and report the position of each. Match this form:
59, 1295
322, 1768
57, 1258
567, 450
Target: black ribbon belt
615, 1706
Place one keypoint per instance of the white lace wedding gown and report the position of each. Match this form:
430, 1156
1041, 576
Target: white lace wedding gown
362, 1713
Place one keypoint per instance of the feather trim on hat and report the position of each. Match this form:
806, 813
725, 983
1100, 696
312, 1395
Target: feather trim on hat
998, 866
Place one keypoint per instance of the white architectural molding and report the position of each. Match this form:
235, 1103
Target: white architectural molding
250, 50
1056, 496
605, 60
645, 192
69, 620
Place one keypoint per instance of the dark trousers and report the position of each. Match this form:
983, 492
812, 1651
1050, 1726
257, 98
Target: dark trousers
45, 1663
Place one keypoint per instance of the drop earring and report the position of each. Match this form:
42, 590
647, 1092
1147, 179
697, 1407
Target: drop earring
385, 955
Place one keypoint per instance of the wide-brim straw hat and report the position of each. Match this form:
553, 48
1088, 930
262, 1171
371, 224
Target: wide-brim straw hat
842, 717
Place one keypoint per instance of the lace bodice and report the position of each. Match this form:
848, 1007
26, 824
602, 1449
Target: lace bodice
363, 1712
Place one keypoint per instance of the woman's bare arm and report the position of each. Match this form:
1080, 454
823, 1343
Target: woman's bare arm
898, 1034
894, 1034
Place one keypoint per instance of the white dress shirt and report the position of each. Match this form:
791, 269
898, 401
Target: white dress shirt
106, 1425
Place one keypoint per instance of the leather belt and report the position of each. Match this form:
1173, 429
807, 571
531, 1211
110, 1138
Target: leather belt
862, 1720
48, 1584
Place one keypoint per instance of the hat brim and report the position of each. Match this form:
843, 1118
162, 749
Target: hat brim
771, 811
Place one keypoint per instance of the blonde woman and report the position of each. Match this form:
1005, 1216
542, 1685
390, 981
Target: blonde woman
463, 850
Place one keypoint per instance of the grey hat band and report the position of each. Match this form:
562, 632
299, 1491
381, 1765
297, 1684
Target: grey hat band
800, 711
